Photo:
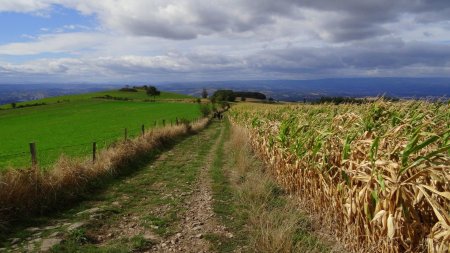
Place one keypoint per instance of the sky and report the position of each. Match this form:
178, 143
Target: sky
113, 41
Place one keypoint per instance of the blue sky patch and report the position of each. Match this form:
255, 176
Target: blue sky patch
24, 27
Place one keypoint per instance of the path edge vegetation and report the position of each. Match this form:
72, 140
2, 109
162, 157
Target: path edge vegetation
409, 199
261, 216
31, 191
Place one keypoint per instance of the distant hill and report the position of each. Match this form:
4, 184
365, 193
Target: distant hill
287, 90
295, 90
26, 94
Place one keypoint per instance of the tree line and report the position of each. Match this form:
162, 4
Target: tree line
230, 95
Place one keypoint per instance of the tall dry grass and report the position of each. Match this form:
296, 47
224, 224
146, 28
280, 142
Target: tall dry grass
274, 222
378, 174
31, 190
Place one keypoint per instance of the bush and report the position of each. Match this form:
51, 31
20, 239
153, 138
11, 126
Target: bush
126, 89
204, 93
28, 105
153, 91
223, 95
250, 94
224, 105
205, 109
113, 98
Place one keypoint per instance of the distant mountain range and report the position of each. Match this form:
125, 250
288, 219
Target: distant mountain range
286, 90
297, 90
10, 93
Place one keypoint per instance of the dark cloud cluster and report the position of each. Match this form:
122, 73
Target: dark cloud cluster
357, 57
392, 58
344, 20
234, 39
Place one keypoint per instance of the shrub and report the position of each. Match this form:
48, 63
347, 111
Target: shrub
205, 109
204, 93
224, 95
128, 89
153, 91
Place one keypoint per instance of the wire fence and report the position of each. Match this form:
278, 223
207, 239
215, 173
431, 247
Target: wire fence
46, 156
13, 155
114, 138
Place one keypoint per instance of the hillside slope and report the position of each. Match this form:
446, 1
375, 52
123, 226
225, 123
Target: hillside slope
115, 94
70, 124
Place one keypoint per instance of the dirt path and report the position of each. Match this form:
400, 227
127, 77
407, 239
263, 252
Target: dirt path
198, 196
199, 219
163, 207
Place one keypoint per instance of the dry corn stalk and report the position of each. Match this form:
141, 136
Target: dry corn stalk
378, 174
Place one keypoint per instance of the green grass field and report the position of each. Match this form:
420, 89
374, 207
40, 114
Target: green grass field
71, 127
137, 96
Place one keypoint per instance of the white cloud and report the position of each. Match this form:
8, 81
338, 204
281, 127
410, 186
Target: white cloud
54, 43
166, 39
392, 58
25, 5
345, 20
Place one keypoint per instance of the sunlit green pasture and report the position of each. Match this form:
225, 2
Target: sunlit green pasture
140, 95
71, 127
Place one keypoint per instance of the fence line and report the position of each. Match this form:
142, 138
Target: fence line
13, 155
34, 149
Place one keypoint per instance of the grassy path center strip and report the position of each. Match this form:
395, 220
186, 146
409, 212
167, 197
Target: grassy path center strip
134, 213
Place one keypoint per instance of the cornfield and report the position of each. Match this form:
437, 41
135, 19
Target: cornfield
377, 174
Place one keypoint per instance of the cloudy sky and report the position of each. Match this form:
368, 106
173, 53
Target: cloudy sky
174, 40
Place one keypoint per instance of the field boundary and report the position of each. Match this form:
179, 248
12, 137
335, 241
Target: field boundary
92, 145
26, 192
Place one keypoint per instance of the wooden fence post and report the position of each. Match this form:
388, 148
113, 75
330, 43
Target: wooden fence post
33, 154
176, 119
126, 134
94, 151
143, 129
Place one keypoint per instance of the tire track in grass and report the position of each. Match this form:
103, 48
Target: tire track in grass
134, 213
199, 220
261, 216
225, 202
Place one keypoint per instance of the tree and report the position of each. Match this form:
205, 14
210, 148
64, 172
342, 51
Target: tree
205, 109
152, 91
13, 105
250, 94
223, 95
204, 93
